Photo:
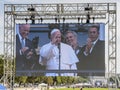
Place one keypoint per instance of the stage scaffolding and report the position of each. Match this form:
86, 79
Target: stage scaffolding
24, 13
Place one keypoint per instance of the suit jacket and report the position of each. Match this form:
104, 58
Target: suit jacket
95, 61
22, 63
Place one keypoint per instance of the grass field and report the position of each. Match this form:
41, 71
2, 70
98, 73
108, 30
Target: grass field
83, 89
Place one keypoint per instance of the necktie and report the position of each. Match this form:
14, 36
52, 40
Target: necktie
92, 47
22, 42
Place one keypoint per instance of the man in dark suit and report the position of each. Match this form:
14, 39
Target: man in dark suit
24, 49
92, 55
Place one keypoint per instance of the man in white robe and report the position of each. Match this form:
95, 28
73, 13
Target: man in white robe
58, 56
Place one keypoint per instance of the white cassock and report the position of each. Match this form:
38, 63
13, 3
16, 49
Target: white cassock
49, 56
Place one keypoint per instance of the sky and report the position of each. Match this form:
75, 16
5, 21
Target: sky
2, 2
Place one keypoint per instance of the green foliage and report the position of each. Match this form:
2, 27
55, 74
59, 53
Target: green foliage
1, 65
70, 80
63, 80
23, 79
49, 80
31, 79
83, 79
58, 80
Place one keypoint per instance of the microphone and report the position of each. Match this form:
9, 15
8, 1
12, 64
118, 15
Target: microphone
59, 46
59, 57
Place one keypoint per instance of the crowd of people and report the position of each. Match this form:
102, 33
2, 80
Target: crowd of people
58, 58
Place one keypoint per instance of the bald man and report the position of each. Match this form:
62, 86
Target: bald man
58, 56
24, 49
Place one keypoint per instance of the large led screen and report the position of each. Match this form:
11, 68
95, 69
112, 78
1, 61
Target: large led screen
81, 50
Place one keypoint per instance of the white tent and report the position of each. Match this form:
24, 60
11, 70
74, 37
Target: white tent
43, 86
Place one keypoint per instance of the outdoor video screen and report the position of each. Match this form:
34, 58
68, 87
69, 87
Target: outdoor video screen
81, 50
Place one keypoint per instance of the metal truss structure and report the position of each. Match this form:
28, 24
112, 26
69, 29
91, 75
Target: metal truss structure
23, 13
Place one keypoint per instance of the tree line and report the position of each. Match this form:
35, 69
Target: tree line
57, 80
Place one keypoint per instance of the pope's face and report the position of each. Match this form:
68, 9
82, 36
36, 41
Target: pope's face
56, 37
